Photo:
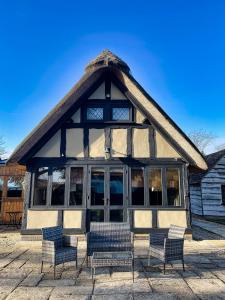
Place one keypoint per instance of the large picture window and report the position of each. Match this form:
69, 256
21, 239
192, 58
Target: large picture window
137, 187
155, 186
14, 186
40, 187
58, 186
76, 186
173, 187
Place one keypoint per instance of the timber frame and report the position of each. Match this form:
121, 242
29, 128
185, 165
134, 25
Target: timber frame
109, 70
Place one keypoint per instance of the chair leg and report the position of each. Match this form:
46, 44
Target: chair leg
133, 269
164, 268
183, 265
54, 273
76, 262
42, 265
87, 261
149, 259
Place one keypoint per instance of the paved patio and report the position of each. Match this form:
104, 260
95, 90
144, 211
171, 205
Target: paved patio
20, 276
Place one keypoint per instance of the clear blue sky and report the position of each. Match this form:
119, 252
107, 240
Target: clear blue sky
175, 49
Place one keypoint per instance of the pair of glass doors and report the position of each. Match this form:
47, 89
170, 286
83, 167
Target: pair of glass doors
107, 194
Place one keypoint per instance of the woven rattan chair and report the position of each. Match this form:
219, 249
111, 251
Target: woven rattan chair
57, 248
109, 237
167, 248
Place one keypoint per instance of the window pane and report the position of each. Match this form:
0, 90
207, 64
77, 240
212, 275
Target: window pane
137, 186
40, 187
155, 187
173, 190
94, 113
116, 187
58, 186
97, 186
120, 113
223, 194
76, 186
14, 186
116, 215
1, 187
97, 215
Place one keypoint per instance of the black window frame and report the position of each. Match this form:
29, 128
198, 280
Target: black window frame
107, 105
223, 194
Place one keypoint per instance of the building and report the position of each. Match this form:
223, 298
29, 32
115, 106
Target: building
107, 152
11, 191
207, 189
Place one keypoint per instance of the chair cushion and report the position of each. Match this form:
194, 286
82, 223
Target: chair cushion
157, 251
65, 254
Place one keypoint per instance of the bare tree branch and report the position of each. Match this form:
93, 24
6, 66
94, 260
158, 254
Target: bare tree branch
220, 147
2, 146
202, 139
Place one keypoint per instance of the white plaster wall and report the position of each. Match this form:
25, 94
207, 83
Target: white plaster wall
74, 142
51, 148
140, 143
96, 143
119, 142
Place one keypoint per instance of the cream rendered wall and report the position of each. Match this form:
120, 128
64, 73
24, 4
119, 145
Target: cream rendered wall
143, 219
140, 143
139, 116
167, 217
76, 117
72, 219
96, 142
39, 218
74, 142
99, 93
119, 142
51, 148
163, 148
116, 93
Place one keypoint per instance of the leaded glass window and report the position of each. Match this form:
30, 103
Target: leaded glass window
120, 113
95, 113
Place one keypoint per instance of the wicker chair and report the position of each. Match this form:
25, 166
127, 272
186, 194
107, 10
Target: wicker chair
109, 237
169, 247
57, 248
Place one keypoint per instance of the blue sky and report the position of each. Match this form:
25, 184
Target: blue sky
175, 49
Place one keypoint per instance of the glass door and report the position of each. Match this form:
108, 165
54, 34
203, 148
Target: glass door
106, 194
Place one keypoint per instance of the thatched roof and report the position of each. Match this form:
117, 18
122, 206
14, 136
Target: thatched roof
107, 58
107, 62
211, 160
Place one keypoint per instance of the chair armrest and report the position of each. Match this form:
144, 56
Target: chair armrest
48, 248
174, 248
70, 240
157, 238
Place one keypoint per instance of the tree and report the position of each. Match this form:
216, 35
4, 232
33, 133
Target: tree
202, 139
2, 146
220, 147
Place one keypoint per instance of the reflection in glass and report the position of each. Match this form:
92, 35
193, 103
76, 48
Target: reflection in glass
97, 186
173, 183
40, 187
1, 188
58, 186
155, 187
97, 215
137, 186
76, 186
120, 113
116, 187
14, 186
94, 113
116, 215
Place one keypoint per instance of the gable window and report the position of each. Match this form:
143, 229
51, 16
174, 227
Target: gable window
223, 193
14, 187
58, 186
95, 113
40, 187
120, 113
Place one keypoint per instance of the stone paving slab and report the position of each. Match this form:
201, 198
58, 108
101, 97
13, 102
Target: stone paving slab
207, 288
30, 293
7, 286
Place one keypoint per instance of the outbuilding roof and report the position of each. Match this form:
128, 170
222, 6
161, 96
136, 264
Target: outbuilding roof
211, 160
